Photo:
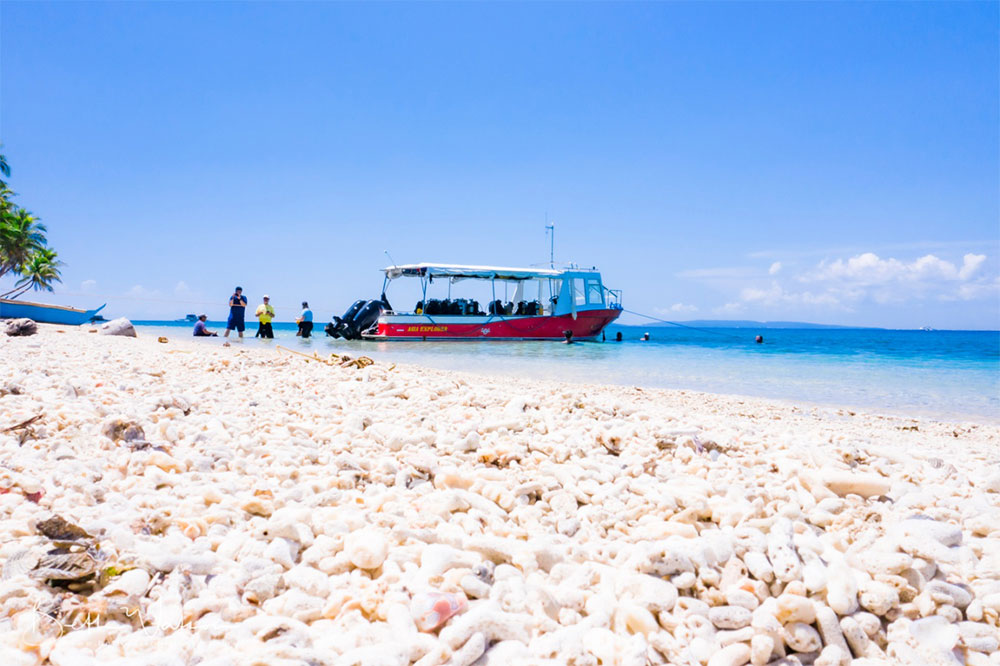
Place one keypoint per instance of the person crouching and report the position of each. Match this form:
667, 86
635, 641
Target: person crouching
200, 330
305, 321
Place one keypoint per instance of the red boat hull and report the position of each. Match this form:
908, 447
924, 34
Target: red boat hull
587, 325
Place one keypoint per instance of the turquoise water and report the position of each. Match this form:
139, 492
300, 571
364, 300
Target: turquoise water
940, 374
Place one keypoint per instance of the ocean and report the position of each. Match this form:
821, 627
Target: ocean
950, 375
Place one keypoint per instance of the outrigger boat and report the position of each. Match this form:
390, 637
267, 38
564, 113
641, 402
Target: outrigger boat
546, 303
49, 314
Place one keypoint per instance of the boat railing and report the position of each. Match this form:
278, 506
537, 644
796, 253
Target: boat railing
614, 298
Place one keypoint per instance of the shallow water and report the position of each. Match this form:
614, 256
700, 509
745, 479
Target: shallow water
943, 374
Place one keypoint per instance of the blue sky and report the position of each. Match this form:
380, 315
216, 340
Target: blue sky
835, 163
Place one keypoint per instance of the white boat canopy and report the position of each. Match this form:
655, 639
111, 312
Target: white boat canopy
458, 271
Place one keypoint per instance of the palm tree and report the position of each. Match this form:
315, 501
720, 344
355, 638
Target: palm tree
4, 169
6, 205
38, 273
21, 237
23, 250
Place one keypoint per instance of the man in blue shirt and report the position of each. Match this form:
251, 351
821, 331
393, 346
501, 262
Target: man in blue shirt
237, 312
305, 321
200, 330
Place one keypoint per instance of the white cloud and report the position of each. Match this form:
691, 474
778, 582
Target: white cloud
970, 264
138, 291
775, 294
870, 269
88, 286
926, 246
182, 290
973, 291
844, 284
676, 308
733, 308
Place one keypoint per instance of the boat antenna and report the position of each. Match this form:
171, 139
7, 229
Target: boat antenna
390, 258
550, 230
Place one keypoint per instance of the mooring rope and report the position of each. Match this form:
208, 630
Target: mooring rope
674, 323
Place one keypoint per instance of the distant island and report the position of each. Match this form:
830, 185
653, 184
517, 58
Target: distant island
743, 323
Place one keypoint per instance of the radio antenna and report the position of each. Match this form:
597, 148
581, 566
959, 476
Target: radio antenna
390, 258
550, 230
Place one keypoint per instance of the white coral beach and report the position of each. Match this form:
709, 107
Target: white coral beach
251, 507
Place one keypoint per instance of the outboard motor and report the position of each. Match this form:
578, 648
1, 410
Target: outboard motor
349, 315
358, 319
364, 320
333, 329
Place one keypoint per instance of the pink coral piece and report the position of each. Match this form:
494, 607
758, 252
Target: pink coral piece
430, 610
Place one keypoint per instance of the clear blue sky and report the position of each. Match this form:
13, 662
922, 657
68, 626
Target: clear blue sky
835, 163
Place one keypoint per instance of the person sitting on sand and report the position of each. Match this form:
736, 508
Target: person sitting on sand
237, 312
200, 331
264, 314
305, 321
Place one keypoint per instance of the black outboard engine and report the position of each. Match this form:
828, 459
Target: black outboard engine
365, 318
333, 329
358, 319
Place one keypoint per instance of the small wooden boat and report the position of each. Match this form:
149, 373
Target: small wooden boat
47, 314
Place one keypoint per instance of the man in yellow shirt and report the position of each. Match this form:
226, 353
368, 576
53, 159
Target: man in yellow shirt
265, 313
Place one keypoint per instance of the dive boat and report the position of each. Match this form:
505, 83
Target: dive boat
521, 304
48, 314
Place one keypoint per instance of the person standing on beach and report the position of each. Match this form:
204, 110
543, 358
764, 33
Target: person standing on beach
265, 313
237, 313
305, 321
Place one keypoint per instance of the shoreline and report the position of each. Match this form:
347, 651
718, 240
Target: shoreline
266, 506
402, 357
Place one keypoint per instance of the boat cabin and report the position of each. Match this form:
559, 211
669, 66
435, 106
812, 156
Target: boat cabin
513, 292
